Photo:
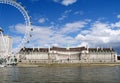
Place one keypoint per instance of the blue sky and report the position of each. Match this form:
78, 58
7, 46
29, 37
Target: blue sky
94, 23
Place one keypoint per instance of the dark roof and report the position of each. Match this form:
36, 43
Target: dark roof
65, 49
118, 57
34, 49
101, 49
53, 48
70, 49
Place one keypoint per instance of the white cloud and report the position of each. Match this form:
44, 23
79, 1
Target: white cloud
118, 16
45, 35
42, 35
65, 15
42, 20
78, 13
67, 11
19, 29
73, 27
80, 36
62, 18
83, 44
84, 32
100, 34
56, 0
117, 24
65, 2
17, 39
34, 0
68, 2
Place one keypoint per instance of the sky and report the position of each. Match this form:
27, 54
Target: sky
91, 23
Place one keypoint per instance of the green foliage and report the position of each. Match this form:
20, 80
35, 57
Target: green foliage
1, 60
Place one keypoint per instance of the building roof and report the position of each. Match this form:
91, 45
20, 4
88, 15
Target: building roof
53, 48
101, 49
65, 49
68, 49
118, 57
34, 49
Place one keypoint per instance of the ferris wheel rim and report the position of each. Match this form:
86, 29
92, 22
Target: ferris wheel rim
27, 22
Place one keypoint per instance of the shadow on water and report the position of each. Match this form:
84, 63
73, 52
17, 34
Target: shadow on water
60, 75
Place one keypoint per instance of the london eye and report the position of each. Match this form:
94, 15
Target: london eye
27, 24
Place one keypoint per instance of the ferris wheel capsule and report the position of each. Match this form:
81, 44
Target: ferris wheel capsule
1, 29
31, 29
30, 35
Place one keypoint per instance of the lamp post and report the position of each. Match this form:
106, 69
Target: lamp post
68, 48
48, 50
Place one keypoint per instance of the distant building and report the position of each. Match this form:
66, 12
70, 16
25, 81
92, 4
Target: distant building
5, 45
64, 55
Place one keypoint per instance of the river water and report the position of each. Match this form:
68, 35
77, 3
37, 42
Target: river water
93, 74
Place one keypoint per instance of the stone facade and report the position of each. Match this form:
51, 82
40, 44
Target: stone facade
63, 55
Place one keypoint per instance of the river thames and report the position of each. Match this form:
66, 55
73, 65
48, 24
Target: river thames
92, 74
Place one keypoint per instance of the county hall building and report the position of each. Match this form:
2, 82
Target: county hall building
67, 55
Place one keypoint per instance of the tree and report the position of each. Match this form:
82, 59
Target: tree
1, 60
15, 59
